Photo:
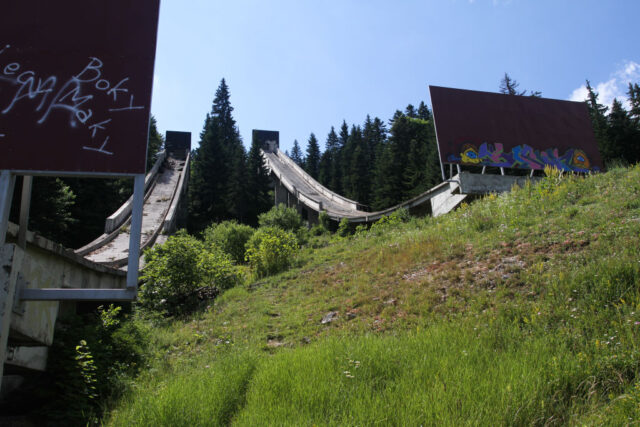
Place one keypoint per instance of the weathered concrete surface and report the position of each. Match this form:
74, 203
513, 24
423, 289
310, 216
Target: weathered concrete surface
118, 218
46, 264
473, 183
28, 357
156, 207
296, 188
10, 258
447, 201
176, 216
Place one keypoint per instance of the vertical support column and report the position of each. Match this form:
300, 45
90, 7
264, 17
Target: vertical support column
7, 274
25, 205
7, 182
313, 217
280, 194
135, 233
10, 260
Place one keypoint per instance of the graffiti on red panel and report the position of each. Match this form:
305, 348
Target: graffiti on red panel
522, 157
73, 95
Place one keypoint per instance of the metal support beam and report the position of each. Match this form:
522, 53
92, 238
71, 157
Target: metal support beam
135, 233
25, 205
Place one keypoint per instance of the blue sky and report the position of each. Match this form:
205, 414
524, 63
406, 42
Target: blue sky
302, 66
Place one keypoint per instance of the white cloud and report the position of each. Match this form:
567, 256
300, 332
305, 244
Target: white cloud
614, 88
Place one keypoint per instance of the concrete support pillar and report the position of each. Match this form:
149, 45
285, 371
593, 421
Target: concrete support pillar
281, 194
11, 257
312, 217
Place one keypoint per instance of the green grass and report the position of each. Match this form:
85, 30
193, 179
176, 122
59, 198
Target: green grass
519, 309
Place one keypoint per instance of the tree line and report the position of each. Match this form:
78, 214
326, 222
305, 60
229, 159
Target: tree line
616, 129
376, 163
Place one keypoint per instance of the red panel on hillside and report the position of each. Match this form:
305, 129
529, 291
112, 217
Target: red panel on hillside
491, 129
75, 85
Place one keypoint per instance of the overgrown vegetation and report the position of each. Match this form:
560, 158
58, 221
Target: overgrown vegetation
91, 363
230, 237
182, 273
523, 308
271, 250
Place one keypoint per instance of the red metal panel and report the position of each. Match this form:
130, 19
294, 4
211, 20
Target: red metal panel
75, 84
491, 129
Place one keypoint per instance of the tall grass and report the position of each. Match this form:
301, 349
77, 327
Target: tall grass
520, 309
200, 395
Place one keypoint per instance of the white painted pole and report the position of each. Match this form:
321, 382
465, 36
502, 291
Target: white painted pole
135, 233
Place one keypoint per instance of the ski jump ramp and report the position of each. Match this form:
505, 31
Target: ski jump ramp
295, 187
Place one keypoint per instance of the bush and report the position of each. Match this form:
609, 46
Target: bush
343, 228
89, 363
230, 237
181, 273
398, 216
271, 250
324, 221
282, 217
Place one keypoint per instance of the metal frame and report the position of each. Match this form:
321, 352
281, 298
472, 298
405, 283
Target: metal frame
7, 184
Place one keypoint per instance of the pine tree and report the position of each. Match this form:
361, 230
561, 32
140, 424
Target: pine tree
407, 164
622, 134
634, 101
360, 168
410, 111
218, 177
423, 112
510, 87
312, 160
326, 167
259, 197
386, 179
296, 153
599, 121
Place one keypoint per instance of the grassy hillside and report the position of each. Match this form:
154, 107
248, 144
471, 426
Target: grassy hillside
522, 308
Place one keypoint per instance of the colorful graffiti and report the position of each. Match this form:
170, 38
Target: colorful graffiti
522, 157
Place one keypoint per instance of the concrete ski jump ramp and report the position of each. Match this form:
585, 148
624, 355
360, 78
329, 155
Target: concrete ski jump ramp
295, 187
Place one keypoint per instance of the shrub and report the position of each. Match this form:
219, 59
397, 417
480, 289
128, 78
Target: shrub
181, 273
271, 250
397, 217
230, 237
90, 362
282, 217
343, 228
324, 221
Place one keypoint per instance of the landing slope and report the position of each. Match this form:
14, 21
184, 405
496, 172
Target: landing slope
518, 309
